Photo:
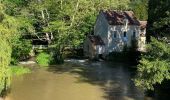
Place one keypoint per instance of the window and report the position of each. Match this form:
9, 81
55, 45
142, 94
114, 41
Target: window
125, 34
134, 34
115, 34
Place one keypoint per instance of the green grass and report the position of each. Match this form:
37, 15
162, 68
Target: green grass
43, 59
19, 70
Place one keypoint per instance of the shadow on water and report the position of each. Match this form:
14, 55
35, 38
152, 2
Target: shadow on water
79, 80
113, 78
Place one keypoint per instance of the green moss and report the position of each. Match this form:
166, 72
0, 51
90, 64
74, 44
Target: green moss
19, 70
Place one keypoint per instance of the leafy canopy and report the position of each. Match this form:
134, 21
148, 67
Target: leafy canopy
154, 66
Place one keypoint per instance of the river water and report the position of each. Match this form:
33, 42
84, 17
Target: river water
77, 81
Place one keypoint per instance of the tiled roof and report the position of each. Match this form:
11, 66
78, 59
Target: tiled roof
96, 40
118, 18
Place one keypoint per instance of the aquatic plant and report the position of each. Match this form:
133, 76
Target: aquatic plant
43, 59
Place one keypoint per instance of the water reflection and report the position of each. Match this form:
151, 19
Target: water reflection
77, 81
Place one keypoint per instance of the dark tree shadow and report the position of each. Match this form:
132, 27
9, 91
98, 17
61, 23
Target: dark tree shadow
113, 78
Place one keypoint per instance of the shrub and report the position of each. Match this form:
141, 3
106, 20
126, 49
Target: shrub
20, 50
56, 58
43, 59
19, 70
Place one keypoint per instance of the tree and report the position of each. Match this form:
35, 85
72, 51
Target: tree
19, 10
140, 8
71, 20
7, 28
159, 18
154, 66
11, 28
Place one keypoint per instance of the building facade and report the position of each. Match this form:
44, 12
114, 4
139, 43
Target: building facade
116, 30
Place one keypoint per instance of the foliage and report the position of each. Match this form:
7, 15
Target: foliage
154, 66
20, 47
71, 20
4, 61
19, 70
11, 28
43, 59
140, 8
67, 20
21, 50
56, 57
6, 29
159, 17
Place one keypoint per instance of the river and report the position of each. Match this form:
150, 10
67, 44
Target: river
77, 80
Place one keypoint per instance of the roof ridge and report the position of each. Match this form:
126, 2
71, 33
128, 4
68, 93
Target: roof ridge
117, 17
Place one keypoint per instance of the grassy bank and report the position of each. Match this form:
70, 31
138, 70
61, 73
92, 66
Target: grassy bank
19, 70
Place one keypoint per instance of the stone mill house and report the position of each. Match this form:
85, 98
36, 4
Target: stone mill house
113, 31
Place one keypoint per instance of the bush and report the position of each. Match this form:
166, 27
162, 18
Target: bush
56, 58
43, 59
20, 50
19, 70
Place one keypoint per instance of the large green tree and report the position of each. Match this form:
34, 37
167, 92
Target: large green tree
11, 28
19, 10
159, 17
69, 21
7, 28
154, 65
140, 8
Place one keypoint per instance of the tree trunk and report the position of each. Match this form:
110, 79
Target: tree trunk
42, 14
76, 9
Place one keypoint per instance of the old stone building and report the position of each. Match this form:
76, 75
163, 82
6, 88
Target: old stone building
113, 31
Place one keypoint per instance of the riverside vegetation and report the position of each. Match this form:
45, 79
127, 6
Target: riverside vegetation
69, 21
